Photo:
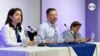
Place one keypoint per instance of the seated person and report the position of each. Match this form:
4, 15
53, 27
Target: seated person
48, 32
12, 33
73, 34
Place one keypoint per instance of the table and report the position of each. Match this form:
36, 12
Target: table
81, 49
97, 50
34, 51
43, 51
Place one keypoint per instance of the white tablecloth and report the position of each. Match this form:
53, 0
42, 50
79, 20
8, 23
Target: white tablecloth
43, 51
97, 50
34, 51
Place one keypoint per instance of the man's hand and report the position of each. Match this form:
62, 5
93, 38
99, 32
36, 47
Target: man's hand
79, 40
49, 42
71, 40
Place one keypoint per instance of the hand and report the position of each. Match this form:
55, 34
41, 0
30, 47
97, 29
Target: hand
79, 40
71, 40
88, 39
49, 42
83, 40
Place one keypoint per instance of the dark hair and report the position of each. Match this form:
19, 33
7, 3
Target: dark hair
50, 9
74, 24
11, 13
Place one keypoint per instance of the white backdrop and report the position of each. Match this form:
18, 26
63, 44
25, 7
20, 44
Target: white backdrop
30, 9
68, 11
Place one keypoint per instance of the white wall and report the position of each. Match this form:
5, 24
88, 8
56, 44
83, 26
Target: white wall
30, 9
68, 11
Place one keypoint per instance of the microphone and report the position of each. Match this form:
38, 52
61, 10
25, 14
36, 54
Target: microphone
31, 29
31, 33
66, 27
68, 45
70, 30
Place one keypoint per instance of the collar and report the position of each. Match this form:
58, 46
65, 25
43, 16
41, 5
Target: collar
52, 25
72, 31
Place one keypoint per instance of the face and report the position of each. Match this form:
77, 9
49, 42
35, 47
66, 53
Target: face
16, 18
52, 17
76, 28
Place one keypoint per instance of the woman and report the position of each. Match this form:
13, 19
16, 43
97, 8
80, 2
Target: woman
73, 34
12, 32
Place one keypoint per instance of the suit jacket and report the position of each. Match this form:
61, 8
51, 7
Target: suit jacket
8, 36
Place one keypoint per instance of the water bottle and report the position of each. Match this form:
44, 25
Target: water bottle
92, 37
35, 42
24, 42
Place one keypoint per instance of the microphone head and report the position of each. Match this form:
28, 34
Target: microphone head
64, 24
29, 27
